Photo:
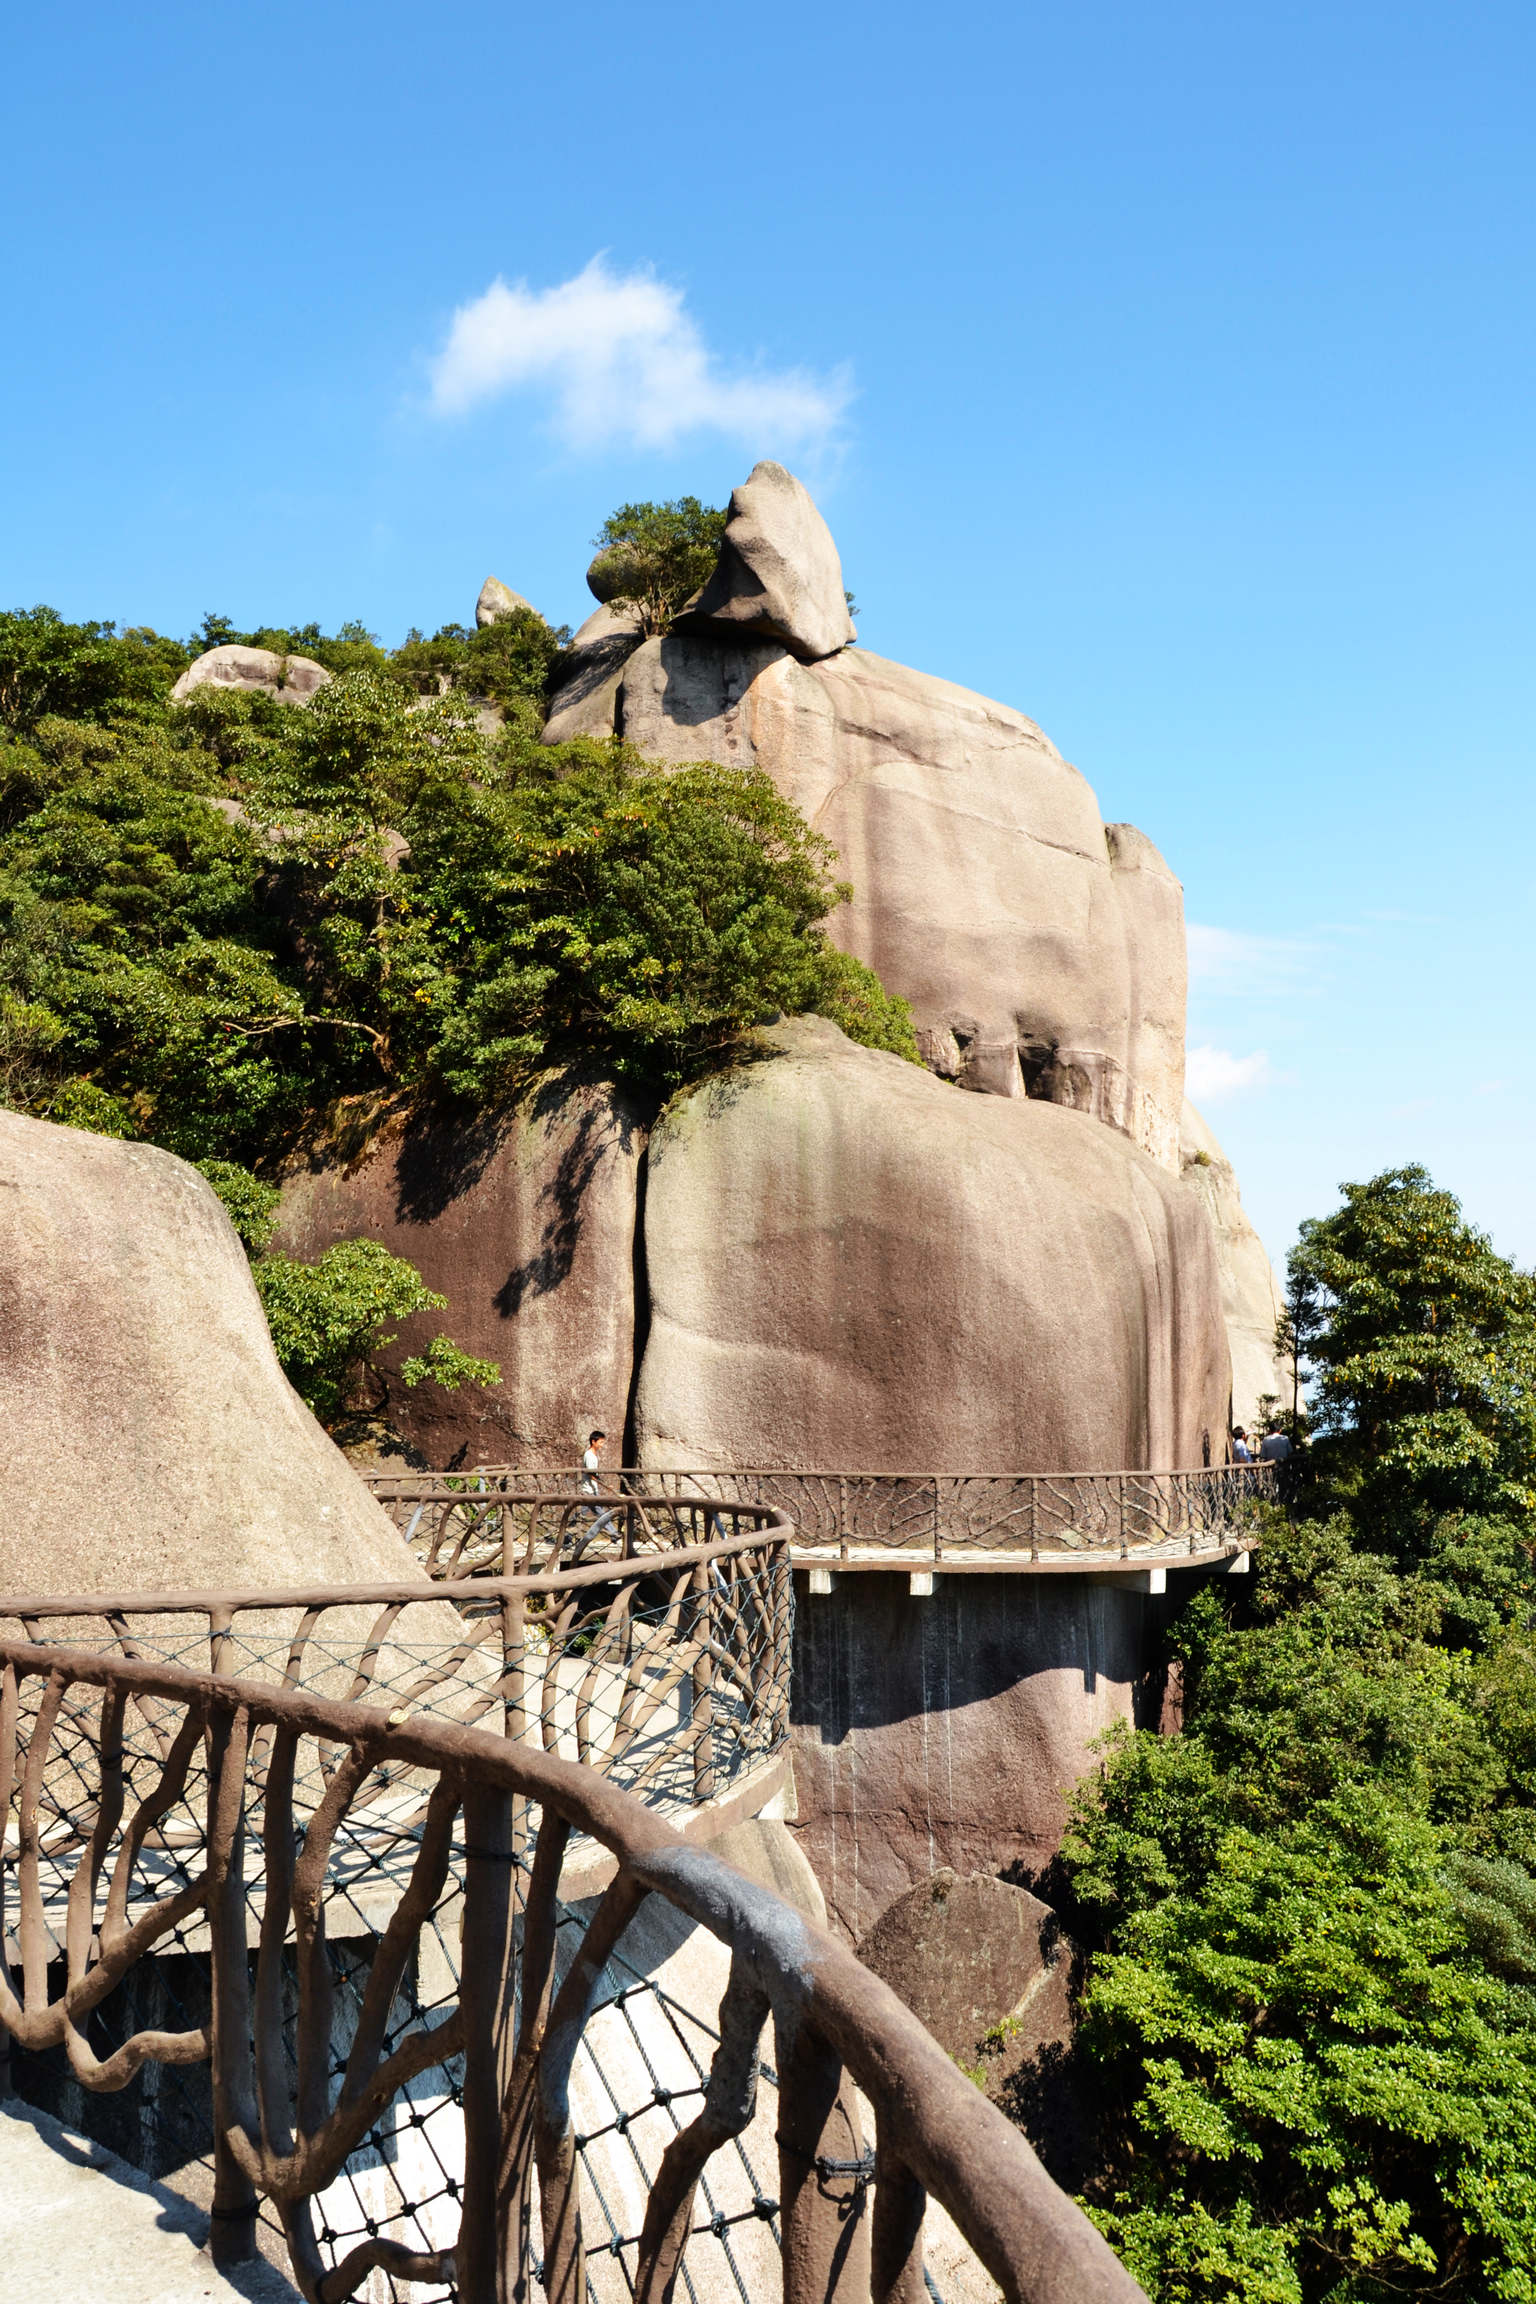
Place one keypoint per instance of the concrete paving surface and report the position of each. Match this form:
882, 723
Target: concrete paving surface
79, 2226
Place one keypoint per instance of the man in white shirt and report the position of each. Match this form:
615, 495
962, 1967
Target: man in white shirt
592, 1462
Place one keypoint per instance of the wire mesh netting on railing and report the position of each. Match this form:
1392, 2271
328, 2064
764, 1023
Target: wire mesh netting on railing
459, 1522
669, 1672
466, 1525
336, 1941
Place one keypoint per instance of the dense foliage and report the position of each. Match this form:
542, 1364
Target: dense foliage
654, 557
235, 926
1312, 2009
222, 921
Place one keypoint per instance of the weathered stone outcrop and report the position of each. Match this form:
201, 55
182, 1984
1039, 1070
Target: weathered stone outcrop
850, 1263
291, 679
1251, 1296
496, 601
967, 1953
152, 1441
527, 1226
585, 700
1042, 951
778, 576
950, 1730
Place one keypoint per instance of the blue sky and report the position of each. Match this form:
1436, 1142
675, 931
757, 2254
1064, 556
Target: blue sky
1163, 370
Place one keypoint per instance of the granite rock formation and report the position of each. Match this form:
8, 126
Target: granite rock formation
291, 679
1251, 1295
1042, 951
850, 1264
152, 1441
527, 1226
969, 1953
496, 601
778, 576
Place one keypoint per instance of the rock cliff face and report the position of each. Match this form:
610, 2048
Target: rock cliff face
851, 1264
1251, 1296
830, 1256
529, 1231
152, 1441
1042, 951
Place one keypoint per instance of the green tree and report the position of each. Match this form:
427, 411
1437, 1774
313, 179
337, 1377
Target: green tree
79, 671
1311, 2014
331, 1319
1424, 1354
654, 557
226, 923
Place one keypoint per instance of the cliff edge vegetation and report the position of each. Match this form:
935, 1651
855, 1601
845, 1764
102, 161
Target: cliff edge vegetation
1311, 2015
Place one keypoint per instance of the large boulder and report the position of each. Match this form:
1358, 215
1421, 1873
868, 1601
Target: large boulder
1042, 951
291, 679
1251, 1296
496, 601
526, 1223
778, 576
587, 675
851, 1263
152, 1441
970, 1953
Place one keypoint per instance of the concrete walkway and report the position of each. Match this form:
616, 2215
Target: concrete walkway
80, 2226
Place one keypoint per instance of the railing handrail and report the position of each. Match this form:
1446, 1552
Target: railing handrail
934, 2128
773, 1526
379, 1479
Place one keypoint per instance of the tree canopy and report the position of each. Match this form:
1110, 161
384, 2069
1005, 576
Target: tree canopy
654, 557
1311, 2014
223, 920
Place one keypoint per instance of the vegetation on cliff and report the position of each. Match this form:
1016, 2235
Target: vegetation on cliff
222, 919
233, 926
1312, 2009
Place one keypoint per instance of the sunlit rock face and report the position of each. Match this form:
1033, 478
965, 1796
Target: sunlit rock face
151, 1440
850, 1263
1042, 950
1250, 1293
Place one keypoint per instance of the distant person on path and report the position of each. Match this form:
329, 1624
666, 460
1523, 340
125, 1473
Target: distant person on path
591, 1466
592, 1462
1275, 1448
1241, 1452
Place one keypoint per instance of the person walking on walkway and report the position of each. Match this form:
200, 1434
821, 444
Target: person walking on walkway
1241, 1452
592, 1462
602, 1515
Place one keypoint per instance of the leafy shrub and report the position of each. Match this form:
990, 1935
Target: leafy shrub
1312, 2010
329, 1320
654, 557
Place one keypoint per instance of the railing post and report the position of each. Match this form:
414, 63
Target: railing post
823, 2177
842, 1515
1034, 1515
514, 1697
896, 2240
703, 1707
485, 1995
232, 2225
938, 1524
1124, 1543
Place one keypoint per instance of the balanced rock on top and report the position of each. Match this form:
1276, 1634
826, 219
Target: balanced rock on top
778, 576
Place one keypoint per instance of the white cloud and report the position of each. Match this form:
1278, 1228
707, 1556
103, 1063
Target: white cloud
625, 365
1211, 1075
